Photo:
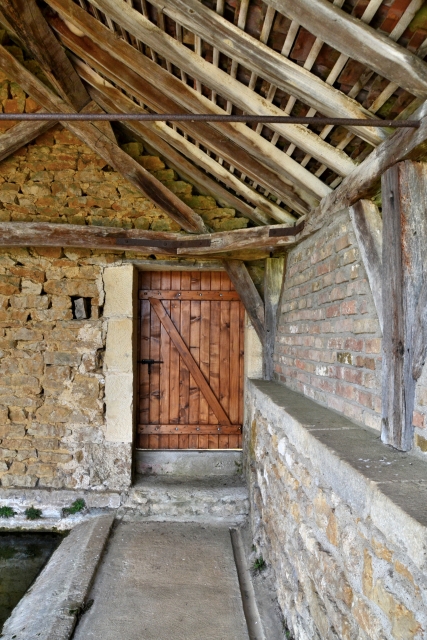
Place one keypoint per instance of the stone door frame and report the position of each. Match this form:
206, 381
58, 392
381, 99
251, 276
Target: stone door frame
120, 362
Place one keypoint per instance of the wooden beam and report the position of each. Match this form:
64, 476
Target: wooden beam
364, 182
404, 268
368, 228
242, 48
244, 285
211, 76
177, 265
273, 284
102, 145
20, 135
45, 234
189, 362
32, 29
357, 40
163, 92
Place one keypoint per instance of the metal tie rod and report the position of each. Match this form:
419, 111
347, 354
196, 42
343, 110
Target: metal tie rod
209, 117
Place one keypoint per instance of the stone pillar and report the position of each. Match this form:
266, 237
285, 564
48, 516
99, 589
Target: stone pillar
120, 359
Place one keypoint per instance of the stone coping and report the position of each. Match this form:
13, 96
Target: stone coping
375, 480
51, 607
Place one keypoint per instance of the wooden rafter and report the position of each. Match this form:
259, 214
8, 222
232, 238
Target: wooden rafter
262, 60
21, 134
28, 22
359, 41
116, 102
139, 72
216, 79
103, 146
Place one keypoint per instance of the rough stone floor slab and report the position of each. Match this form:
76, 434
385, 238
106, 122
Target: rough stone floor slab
164, 581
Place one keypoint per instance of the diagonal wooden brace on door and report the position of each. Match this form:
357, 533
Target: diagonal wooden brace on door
189, 361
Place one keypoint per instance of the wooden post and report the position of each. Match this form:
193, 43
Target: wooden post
404, 188
273, 284
244, 285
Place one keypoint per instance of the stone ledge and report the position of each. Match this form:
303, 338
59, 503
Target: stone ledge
385, 485
61, 589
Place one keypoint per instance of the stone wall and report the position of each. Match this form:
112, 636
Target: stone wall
52, 414
329, 341
338, 517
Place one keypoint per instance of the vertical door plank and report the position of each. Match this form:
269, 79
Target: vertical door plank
154, 377
242, 361
205, 318
203, 442
223, 442
233, 442
144, 381
164, 368
214, 354
224, 357
212, 442
174, 388
184, 382
174, 442
234, 362
194, 344
193, 441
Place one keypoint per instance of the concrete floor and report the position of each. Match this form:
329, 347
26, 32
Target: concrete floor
160, 581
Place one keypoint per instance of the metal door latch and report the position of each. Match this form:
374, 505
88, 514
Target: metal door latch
150, 362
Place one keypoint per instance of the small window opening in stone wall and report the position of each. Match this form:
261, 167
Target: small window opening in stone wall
81, 308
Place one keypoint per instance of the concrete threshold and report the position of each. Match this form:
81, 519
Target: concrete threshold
159, 581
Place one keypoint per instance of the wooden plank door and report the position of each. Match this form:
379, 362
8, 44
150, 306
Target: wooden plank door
190, 361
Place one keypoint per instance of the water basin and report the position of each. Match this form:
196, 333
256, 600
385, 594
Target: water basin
22, 557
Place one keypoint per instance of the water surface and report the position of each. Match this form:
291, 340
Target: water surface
22, 557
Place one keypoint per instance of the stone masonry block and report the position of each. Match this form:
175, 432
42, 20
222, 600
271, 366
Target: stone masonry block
118, 356
119, 395
119, 288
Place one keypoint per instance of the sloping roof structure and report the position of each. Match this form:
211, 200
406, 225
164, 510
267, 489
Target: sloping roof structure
343, 59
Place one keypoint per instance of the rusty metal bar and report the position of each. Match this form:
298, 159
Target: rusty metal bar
208, 117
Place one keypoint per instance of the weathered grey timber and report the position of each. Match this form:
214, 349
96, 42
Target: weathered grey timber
101, 144
127, 73
273, 283
20, 135
262, 60
219, 80
32, 29
244, 285
404, 268
46, 234
368, 227
364, 181
358, 41
50, 608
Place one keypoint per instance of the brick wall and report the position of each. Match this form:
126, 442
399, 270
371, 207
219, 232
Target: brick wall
329, 339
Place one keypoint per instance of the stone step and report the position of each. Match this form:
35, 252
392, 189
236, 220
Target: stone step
191, 463
161, 498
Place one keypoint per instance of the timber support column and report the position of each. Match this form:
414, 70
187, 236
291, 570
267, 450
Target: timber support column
404, 194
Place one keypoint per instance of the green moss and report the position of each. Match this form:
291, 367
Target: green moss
77, 506
7, 512
33, 514
420, 20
